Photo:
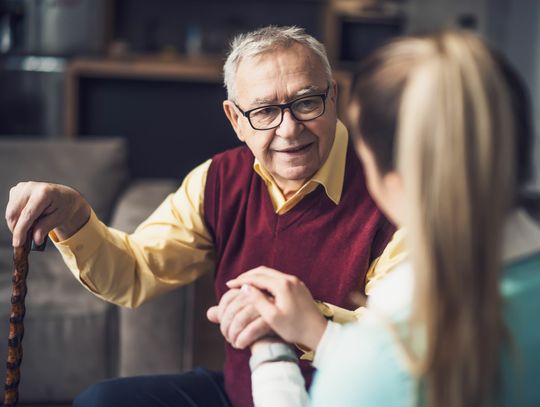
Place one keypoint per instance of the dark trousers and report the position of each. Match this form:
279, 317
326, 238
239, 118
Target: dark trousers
198, 388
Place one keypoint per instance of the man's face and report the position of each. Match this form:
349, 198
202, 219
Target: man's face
295, 150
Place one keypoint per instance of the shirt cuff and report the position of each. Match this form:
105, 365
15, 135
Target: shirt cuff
82, 245
330, 333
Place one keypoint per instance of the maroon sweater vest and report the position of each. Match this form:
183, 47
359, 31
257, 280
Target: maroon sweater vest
328, 246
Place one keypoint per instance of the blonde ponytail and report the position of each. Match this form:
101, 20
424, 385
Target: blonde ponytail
455, 155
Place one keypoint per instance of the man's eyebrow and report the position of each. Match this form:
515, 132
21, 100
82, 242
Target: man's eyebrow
271, 101
306, 91
264, 101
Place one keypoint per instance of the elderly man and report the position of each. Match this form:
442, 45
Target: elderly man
293, 198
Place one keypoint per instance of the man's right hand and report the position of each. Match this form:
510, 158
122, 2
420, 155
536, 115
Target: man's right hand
45, 207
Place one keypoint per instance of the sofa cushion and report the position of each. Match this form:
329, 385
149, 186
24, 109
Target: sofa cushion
95, 167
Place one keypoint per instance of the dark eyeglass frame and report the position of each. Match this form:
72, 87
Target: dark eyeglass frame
284, 106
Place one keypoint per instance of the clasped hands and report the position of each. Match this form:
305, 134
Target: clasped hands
264, 302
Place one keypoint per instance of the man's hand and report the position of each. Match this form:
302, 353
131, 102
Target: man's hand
289, 308
45, 207
240, 323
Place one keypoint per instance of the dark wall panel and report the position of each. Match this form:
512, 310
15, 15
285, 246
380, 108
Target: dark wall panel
170, 126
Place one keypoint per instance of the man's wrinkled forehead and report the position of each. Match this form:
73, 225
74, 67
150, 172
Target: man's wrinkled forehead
279, 76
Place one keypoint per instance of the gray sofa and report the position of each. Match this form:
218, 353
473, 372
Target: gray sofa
73, 339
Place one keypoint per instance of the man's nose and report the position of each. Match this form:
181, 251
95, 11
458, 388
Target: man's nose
289, 127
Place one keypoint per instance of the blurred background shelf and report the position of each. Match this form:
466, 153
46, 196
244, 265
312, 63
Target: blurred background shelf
151, 71
201, 68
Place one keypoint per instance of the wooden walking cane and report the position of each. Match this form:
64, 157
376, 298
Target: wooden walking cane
16, 319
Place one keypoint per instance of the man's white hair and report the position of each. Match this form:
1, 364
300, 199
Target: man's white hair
264, 40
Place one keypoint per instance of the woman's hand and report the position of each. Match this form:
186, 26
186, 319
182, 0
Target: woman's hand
284, 303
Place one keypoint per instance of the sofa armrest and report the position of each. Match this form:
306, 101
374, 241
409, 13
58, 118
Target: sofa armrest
157, 336
139, 200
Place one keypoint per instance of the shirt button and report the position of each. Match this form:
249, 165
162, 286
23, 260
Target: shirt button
79, 247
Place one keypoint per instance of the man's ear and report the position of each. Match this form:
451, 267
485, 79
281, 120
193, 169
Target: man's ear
234, 117
333, 91
331, 99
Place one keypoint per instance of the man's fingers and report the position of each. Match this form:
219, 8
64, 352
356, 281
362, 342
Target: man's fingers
251, 333
45, 206
15, 205
29, 214
44, 225
240, 321
228, 315
225, 300
213, 314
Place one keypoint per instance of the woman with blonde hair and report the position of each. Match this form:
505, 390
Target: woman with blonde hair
441, 125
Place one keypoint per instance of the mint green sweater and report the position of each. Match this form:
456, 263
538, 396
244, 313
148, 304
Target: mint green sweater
366, 368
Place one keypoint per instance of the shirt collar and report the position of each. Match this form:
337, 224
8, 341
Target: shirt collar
330, 175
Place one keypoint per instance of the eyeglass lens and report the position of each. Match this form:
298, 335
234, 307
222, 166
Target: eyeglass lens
307, 108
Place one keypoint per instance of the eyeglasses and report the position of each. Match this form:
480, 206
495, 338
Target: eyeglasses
302, 109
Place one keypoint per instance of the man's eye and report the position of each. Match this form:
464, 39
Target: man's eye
306, 105
265, 112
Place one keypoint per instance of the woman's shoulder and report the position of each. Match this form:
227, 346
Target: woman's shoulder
392, 295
